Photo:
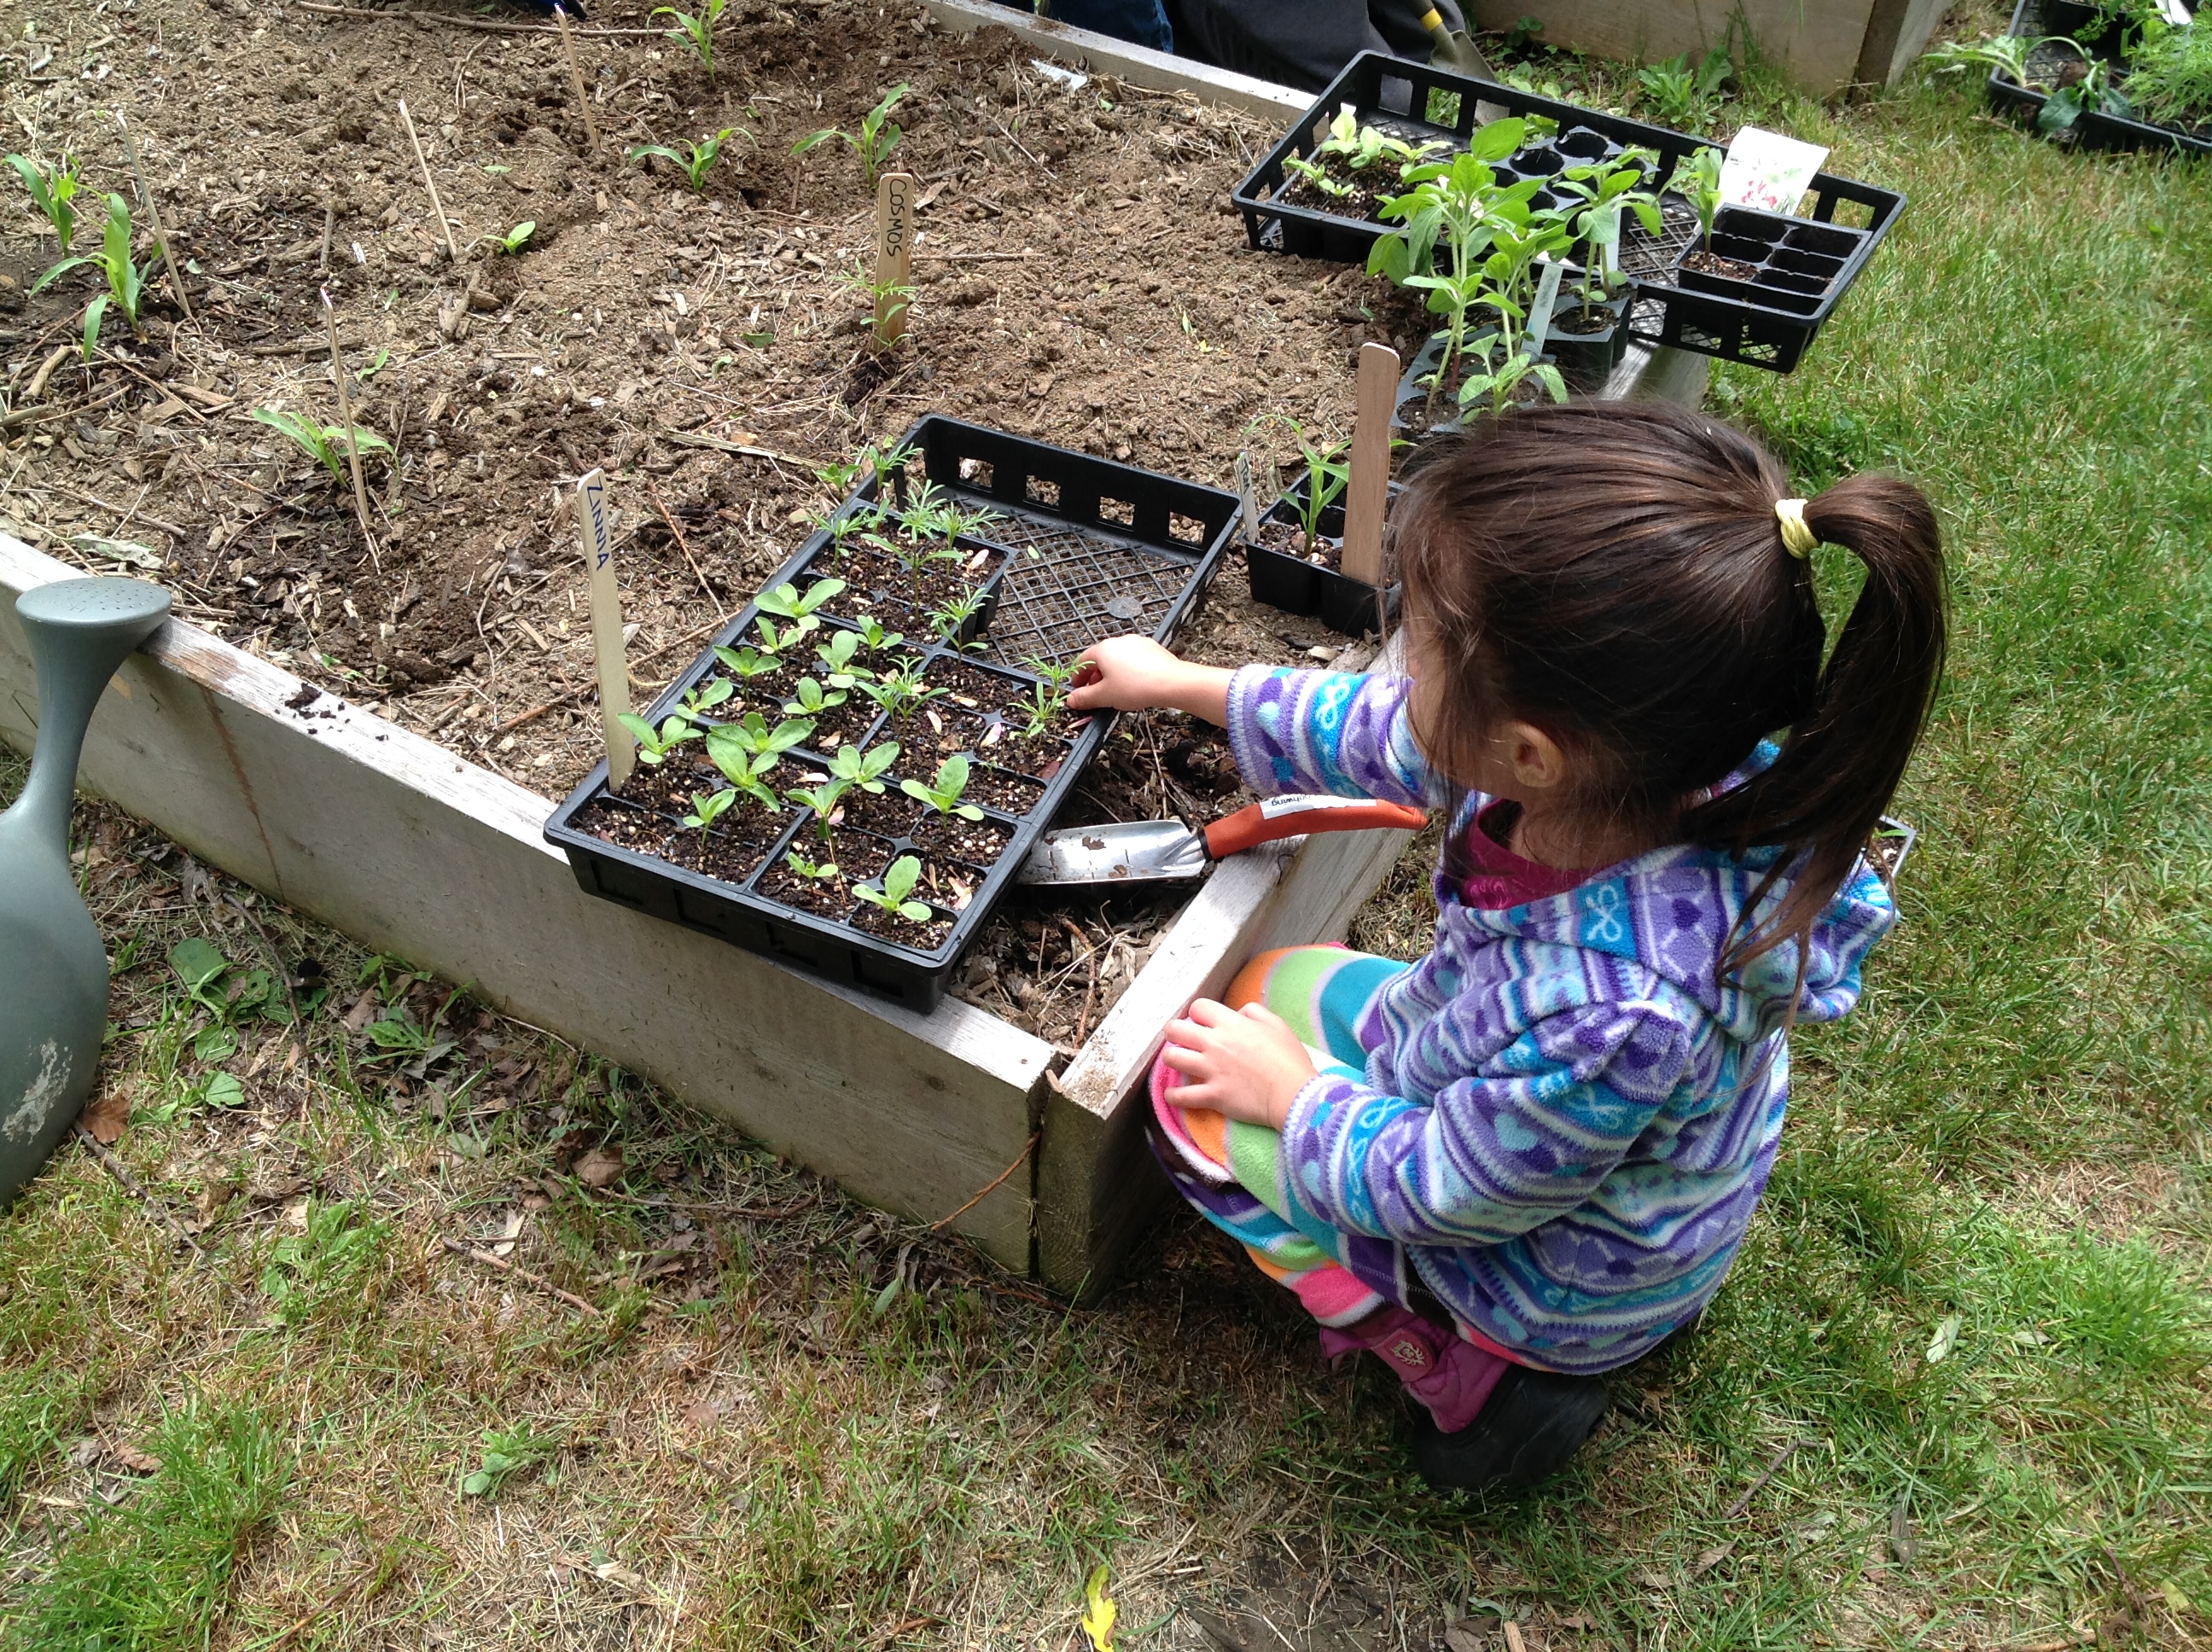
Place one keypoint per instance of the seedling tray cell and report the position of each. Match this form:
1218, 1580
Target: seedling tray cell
1752, 326
1284, 579
2092, 129
1076, 549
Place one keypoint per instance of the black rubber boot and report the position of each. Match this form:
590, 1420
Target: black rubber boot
1530, 1427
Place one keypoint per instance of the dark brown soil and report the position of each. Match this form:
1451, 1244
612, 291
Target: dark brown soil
1040, 757
856, 856
889, 811
978, 843
922, 937
668, 785
1290, 539
625, 827
1583, 323
972, 689
1008, 793
932, 732
1712, 263
734, 849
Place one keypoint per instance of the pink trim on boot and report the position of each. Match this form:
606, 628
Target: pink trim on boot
1449, 1375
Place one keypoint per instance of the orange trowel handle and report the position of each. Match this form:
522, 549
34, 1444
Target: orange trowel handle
1294, 816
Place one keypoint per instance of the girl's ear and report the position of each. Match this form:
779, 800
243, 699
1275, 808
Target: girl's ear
1537, 761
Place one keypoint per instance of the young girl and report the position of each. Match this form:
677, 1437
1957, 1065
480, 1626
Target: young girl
1528, 1157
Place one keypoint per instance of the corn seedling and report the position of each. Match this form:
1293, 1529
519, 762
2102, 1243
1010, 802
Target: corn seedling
945, 795
51, 192
697, 33
707, 808
324, 443
892, 891
653, 745
126, 279
697, 160
878, 136
1329, 472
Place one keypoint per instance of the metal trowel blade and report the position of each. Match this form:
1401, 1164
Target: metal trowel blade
1130, 851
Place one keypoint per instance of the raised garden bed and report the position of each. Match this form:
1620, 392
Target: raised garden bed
1025, 555
1766, 320
2093, 127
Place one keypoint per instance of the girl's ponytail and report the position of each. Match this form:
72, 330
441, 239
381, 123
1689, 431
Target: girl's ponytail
1846, 752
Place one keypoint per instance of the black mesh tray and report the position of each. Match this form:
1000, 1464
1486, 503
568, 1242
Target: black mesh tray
1766, 323
1079, 550
2092, 130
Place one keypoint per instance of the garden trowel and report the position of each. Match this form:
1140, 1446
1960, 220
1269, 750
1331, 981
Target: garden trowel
1167, 851
1455, 48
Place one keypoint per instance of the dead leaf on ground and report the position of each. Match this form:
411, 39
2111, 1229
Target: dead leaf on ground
1465, 1640
106, 1113
131, 1458
364, 1011
602, 1167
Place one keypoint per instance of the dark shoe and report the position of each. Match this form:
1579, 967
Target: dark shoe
1528, 1430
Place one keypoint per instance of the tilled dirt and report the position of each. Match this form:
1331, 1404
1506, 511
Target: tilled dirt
1079, 278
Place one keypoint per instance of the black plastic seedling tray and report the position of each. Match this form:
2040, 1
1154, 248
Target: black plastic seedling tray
1079, 549
1767, 324
1296, 585
2093, 130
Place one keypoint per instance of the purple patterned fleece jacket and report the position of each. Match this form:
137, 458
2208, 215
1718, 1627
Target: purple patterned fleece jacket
1565, 1123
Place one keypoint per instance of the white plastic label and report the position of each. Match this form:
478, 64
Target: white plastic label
1547, 298
1768, 171
1300, 803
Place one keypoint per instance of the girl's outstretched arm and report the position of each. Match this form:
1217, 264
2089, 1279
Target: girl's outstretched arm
1136, 673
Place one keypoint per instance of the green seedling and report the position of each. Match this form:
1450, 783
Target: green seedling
1498, 377
1696, 180
878, 639
126, 278
707, 808
889, 299
1453, 204
53, 193
1329, 472
1319, 176
2006, 54
819, 872
697, 33
934, 514
698, 701
775, 642
653, 745
836, 651
1047, 699
863, 771
889, 893
878, 136
1607, 190
515, 239
786, 603
822, 797
323, 1263
950, 617
745, 751
697, 160
507, 1452
840, 477
324, 443
945, 795
1679, 96
746, 662
810, 699
901, 692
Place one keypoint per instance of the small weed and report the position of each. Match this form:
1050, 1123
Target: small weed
515, 239
325, 1264
506, 1452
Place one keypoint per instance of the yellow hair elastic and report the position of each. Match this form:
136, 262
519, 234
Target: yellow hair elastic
1797, 538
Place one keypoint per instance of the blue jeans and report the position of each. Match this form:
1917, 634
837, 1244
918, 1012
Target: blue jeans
1143, 21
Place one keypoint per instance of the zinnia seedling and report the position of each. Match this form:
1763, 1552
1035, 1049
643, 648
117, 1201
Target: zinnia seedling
653, 745
863, 770
945, 795
707, 808
890, 892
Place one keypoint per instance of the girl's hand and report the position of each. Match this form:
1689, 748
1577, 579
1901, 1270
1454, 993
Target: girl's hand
1245, 1063
1135, 673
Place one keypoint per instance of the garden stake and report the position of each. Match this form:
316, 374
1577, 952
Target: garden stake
1547, 300
1251, 505
576, 74
894, 255
353, 440
593, 533
153, 217
423, 161
1376, 388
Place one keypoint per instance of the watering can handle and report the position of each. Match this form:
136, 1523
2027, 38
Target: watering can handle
1272, 819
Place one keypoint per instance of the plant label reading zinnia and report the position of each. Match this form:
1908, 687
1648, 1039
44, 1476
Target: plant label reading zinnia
595, 533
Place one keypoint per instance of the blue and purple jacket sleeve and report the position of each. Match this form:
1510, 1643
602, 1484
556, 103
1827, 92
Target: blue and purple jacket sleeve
1529, 1135
1329, 732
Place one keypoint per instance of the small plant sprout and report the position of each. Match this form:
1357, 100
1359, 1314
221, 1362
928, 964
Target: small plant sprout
707, 808
945, 795
699, 701
810, 699
950, 617
822, 797
747, 662
126, 279
891, 892
697, 160
1680, 96
1047, 699
1698, 180
902, 691
324, 443
653, 745
776, 641
1329, 472
506, 1452
819, 872
889, 299
1500, 381
1318, 175
697, 33
1607, 190
836, 651
745, 751
864, 771
878, 639
878, 136
51, 192
786, 603
515, 239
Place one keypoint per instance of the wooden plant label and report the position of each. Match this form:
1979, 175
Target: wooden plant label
594, 533
1246, 502
1377, 389
895, 214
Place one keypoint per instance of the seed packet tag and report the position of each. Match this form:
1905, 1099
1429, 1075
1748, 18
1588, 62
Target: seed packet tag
1768, 171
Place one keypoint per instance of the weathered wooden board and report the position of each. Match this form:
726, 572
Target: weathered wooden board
1823, 47
397, 842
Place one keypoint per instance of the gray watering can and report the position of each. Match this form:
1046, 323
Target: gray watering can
53, 970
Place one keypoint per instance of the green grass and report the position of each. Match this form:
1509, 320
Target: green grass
1973, 1310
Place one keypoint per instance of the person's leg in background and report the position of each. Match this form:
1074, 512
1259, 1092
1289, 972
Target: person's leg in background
1302, 43
1143, 22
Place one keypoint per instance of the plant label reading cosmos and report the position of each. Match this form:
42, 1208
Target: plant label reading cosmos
895, 214
595, 534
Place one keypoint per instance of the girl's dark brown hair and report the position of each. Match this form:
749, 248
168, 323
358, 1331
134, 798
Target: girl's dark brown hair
1614, 572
